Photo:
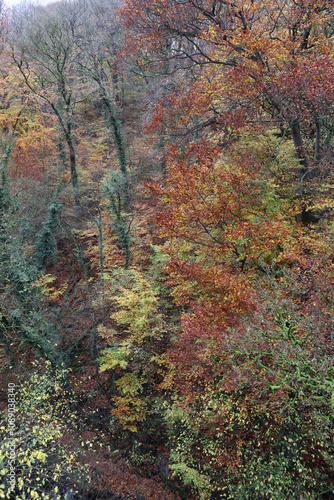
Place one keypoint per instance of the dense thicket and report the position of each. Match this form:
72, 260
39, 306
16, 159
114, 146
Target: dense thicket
166, 260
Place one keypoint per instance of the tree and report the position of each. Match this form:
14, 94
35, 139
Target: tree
257, 57
247, 168
45, 53
32, 129
24, 321
101, 43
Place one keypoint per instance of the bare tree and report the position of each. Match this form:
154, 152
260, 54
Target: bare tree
44, 50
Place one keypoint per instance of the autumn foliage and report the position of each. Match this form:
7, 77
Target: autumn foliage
247, 168
166, 229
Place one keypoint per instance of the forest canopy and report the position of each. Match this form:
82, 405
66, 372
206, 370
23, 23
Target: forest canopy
166, 250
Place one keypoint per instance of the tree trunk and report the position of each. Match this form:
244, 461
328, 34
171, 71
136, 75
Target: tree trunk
300, 149
73, 168
115, 124
317, 142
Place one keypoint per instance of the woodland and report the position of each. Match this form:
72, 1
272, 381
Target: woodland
166, 249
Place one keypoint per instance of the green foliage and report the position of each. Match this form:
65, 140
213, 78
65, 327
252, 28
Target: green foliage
311, 384
191, 476
46, 244
272, 478
259, 424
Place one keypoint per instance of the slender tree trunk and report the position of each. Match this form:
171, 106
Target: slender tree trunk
305, 173
300, 149
74, 175
317, 142
116, 128
67, 131
73, 169
115, 125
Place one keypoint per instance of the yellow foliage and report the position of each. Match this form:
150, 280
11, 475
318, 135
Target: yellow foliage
50, 292
114, 356
139, 309
38, 446
135, 349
